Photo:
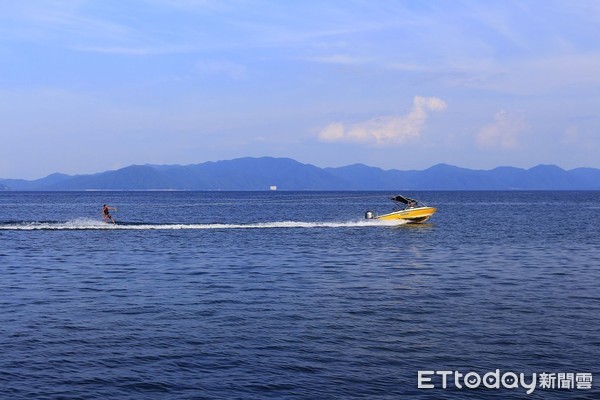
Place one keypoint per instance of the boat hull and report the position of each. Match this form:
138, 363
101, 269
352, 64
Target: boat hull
412, 215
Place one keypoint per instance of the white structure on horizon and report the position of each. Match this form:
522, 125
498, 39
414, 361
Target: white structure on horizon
273, 187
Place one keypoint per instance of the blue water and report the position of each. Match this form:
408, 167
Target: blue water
292, 295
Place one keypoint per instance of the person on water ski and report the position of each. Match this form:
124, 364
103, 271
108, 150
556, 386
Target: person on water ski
106, 213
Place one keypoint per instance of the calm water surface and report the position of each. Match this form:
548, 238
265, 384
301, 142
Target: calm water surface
285, 295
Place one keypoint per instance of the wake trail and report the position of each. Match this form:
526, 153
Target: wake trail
90, 224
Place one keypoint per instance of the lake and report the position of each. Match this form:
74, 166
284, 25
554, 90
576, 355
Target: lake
293, 295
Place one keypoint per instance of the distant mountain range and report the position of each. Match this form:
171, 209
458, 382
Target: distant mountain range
288, 174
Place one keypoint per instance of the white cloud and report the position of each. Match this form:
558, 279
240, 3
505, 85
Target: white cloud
503, 132
332, 132
391, 129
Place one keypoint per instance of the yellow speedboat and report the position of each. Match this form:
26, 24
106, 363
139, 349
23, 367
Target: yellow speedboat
409, 210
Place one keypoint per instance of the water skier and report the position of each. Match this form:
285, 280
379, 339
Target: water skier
106, 213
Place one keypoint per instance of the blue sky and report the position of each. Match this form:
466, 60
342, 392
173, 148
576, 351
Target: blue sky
87, 86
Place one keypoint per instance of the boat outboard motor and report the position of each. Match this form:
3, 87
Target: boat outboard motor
369, 215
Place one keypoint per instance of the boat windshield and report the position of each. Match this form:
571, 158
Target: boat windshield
406, 201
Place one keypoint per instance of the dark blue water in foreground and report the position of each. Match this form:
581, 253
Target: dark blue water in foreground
289, 295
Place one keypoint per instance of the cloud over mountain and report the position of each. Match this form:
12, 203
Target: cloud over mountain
386, 130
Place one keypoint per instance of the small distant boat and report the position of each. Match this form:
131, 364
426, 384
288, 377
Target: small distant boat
406, 209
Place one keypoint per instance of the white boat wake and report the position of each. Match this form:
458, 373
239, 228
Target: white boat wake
90, 224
